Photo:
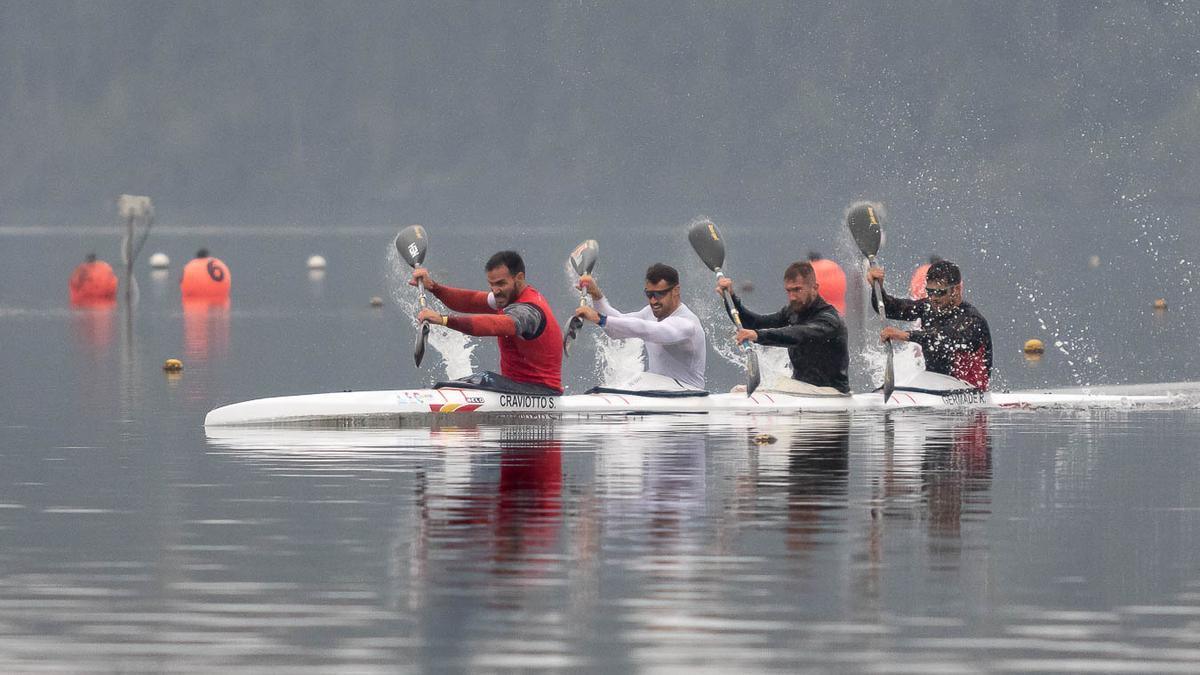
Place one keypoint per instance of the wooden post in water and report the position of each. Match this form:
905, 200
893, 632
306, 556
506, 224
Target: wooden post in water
138, 212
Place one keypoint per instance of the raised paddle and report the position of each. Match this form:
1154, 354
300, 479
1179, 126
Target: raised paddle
868, 235
582, 259
707, 243
412, 243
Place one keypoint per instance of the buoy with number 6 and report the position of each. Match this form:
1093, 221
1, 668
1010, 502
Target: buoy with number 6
205, 278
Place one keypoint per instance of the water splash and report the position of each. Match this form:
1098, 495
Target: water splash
455, 349
618, 361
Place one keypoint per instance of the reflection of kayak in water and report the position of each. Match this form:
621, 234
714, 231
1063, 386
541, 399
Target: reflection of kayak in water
450, 404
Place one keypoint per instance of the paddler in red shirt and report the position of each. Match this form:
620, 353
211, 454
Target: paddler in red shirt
520, 318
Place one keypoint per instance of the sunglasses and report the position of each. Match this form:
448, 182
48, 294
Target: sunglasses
658, 295
936, 292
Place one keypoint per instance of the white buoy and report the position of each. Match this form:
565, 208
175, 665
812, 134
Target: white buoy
1094, 261
316, 262
160, 261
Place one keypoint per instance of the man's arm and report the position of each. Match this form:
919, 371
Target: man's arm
462, 300
755, 321
897, 308
821, 328
522, 320
669, 331
602, 305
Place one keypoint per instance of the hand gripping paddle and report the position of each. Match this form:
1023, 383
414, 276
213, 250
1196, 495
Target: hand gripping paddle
868, 235
707, 243
412, 243
582, 259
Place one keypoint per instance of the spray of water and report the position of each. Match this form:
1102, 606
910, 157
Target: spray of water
455, 349
617, 361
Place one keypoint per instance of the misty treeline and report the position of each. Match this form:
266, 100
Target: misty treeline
510, 113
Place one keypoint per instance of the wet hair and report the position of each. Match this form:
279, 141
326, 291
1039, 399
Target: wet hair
935, 258
813, 255
91, 257
202, 253
943, 271
660, 272
510, 259
801, 269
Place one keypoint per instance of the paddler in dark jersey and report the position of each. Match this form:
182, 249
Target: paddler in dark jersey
520, 318
810, 328
954, 336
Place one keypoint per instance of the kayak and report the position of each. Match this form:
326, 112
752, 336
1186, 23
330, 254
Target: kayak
455, 405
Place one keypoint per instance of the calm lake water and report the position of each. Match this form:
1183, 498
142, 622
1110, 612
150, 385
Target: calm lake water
909, 542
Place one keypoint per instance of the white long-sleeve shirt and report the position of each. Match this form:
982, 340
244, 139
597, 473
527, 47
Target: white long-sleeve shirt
675, 346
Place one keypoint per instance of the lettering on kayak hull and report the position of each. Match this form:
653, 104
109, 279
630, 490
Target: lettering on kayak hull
969, 397
527, 401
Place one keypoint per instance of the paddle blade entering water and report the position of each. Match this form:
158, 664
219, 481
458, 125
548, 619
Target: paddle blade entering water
753, 373
419, 341
889, 374
707, 242
572, 328
412, 242
863, 221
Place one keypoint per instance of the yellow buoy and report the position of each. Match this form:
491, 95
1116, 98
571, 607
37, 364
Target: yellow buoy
173, 365
1033, 346
763, 439
1160, 303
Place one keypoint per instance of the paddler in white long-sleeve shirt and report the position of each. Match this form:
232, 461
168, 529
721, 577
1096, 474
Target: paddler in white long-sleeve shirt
673, 337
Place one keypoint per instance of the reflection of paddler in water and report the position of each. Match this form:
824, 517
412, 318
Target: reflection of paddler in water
529, 500
93, 284
818, 474
476, 517
956, 474
949, 463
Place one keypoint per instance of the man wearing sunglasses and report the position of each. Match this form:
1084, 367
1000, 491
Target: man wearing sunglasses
954, 336
673, 336
810, 328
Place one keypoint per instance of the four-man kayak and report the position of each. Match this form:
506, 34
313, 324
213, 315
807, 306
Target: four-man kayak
452, 405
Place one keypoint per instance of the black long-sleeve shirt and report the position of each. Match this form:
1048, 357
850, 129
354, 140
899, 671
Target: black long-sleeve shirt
815, 338
956, 342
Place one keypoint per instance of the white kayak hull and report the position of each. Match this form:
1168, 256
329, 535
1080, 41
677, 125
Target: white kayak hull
424, 407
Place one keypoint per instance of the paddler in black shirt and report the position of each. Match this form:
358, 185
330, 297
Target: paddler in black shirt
954, 336
810, 328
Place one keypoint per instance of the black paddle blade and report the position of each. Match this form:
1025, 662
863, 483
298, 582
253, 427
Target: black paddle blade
707, 243
753, 374
419, 344
863, 221
889, 375
412, 243
583, 258
572, 328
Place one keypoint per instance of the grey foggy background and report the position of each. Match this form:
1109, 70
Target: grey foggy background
598, 113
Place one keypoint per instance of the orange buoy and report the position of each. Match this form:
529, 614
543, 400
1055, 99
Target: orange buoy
831, 281
916, 285
93, 282
205, 277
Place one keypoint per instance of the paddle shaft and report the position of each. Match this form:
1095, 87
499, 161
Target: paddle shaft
733, 311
